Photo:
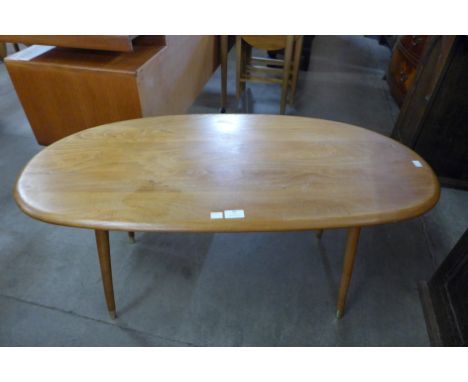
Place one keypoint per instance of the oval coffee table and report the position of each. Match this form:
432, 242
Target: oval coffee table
225, 173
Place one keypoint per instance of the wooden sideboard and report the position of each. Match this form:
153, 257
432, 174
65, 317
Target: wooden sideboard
84, 81
406, 55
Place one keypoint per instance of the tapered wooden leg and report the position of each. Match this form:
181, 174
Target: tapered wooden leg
287, 72
131, 237
319, 234
350, 255
102, 241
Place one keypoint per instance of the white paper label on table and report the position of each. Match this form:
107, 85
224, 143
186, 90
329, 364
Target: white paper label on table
234, 214
216, 215
417, 163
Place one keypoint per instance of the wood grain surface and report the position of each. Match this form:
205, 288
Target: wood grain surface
169, 173
121, 43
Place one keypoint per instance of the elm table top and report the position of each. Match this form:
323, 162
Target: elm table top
170, 173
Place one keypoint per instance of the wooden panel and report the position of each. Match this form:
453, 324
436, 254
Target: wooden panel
457, 288
418, 100
170, 82
64, 58
170, 173
67, 90
446, 305
432, 119
154, 79
59, 101
444, 138
122, 43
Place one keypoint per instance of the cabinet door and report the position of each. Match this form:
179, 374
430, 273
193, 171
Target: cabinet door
449, 290
430, 71
443, 137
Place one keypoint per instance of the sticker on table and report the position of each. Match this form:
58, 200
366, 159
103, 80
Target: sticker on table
417, 163
216, 215
234, 214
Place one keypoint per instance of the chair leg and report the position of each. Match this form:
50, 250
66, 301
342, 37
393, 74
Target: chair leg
223, 53
3, 50
245, 57
296, 64
238, 66
287, 72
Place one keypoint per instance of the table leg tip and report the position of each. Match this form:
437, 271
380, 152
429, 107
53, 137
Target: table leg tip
131, 237
339, 314
112, 314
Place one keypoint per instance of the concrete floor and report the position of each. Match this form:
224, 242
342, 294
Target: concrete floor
261, 289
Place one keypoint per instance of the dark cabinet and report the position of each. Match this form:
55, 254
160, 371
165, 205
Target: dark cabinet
433, 119
445, 299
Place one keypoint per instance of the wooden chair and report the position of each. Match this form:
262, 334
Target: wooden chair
268, 70
4, 49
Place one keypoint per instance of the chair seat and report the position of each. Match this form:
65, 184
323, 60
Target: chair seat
266, 42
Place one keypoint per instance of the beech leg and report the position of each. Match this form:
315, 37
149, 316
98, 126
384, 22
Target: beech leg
102, 241
348, 263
